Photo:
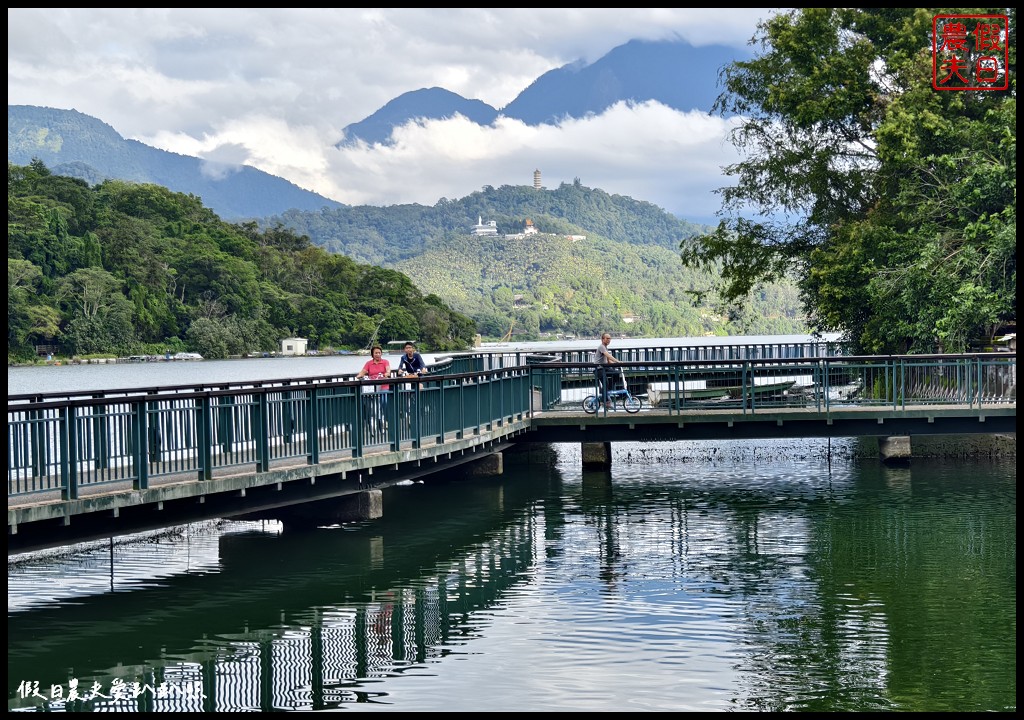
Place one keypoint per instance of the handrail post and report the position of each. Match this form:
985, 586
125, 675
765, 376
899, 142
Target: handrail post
357, 429
313, 427
69, 453
902, 389
820, 369
263, 431
745, 376
980, 378
414, 419
140, 434
394, 437
205, 449
100, 441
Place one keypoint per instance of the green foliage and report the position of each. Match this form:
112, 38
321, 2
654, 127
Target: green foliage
894, 204
387, 236
123, 268
548, 283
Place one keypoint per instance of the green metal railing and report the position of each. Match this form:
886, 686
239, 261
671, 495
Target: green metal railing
62, 444
820, 384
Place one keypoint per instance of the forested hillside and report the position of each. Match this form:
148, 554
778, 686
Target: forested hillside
551, 284
625, 276
386, 235
122, 268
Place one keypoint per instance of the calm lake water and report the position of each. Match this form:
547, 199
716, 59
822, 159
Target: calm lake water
711, 576
692, 576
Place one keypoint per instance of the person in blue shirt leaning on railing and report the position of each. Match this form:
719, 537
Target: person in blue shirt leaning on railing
411, 364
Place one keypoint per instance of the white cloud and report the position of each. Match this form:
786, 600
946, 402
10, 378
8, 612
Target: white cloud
648, 152
273, 88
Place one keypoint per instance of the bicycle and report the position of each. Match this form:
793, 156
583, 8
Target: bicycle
630, 402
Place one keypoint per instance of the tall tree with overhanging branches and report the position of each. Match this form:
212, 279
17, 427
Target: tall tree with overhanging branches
893, 204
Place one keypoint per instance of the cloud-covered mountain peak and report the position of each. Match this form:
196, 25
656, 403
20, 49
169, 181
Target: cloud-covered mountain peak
672, 72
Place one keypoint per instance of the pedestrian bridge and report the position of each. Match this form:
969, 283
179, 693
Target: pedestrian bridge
90, 466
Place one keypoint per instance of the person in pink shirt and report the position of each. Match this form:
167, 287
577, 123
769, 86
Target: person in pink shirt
375, 398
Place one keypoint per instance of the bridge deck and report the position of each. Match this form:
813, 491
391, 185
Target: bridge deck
562, 424
89, 467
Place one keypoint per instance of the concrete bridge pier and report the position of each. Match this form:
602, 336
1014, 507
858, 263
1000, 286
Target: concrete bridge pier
484, 466
365, 505
487, 466
597, 455
895, 449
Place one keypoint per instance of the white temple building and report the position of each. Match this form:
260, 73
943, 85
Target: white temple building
488, 228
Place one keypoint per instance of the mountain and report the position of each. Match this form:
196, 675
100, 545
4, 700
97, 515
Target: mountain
70, 143
428, 103
673, 73
570, 260
74, 144
388, 235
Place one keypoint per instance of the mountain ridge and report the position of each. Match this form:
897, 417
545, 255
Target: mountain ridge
636, 71
78, 145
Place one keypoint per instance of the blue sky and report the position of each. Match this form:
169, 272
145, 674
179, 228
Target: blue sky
273, 89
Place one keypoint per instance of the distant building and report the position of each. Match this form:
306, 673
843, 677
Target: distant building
482, 228
294, 346
536, 179
528, 229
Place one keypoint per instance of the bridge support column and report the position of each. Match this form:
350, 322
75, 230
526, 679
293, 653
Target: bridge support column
365, 505
529, 453
487, 466
894, 450
597, 455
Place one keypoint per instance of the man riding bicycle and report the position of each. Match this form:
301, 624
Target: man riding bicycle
603, 358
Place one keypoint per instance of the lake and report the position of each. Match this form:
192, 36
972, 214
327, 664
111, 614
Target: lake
726, 576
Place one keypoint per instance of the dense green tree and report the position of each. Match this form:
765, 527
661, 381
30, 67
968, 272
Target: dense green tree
122, 268
212, 336
100, 314
29, 321
894, 204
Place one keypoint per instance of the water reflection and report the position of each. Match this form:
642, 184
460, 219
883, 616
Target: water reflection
683, 579
319, 609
